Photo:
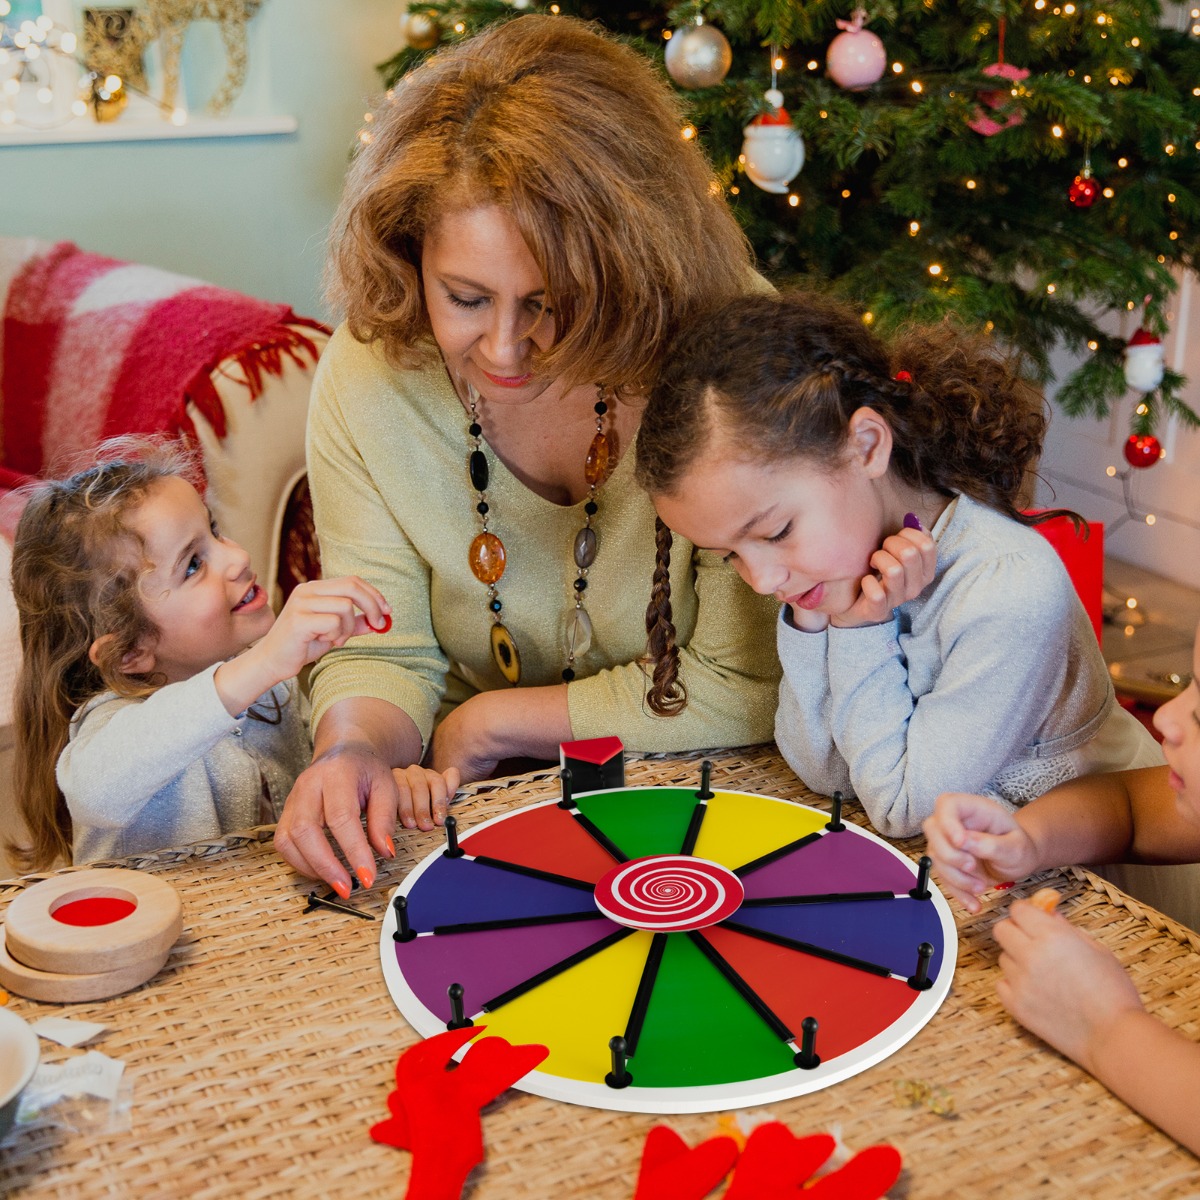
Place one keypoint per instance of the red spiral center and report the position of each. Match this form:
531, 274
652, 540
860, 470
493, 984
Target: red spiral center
669, 893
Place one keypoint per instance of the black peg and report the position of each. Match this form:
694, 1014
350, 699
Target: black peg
453, 849
705, 792
404, 931
835, 824
808, 1058
921, 981
565, 776
921, 891
458, 1018
619, 1076
315, 901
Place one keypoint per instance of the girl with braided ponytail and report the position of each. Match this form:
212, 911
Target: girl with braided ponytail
931, 641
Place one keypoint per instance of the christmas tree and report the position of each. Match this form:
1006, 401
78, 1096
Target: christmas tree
1030, 168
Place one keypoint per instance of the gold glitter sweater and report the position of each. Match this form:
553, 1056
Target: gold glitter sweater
387, 461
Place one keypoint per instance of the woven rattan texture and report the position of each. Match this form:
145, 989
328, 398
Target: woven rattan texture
264, 1050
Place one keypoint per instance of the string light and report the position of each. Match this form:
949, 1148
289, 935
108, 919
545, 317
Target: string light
897, 68
914, 227
971, 185
793, 199
1051, 289
916, 86
1108, 193
813, 64
845, 193
1057, 131
688, 132
1093, 345
935, 269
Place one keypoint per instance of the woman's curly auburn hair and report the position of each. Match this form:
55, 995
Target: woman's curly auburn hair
575, 135
782, 375
76, 571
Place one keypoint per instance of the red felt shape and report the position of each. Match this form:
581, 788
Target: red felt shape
671, 1170
435, 1107
775, 1165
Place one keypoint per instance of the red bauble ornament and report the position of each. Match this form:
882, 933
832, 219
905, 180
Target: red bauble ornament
1083, 191
1142, 450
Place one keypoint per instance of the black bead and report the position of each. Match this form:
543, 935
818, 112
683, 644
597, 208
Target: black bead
591, 508
601, 408
478, 467
495, 606
568, 674
482, 508
474, 429
580, 584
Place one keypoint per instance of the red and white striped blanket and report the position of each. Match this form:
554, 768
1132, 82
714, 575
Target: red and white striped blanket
92, 348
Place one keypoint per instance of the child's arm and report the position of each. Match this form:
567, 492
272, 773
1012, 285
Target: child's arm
1124, 816
1072, 993
317, 617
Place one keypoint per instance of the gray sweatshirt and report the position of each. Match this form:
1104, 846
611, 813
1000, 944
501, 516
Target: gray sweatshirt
175, 767
991, 681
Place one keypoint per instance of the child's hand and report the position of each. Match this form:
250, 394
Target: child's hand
1060, 983
975, 843
424, 795
902, 569
318, 616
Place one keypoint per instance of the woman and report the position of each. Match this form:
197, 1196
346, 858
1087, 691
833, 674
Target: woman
518, 240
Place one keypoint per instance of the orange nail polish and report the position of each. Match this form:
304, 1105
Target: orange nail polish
391, 847
342, 889
365, 877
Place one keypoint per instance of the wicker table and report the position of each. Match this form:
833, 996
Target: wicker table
264, 1050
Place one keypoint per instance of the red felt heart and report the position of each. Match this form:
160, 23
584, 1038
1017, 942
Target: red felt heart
671, 1170
775, 1163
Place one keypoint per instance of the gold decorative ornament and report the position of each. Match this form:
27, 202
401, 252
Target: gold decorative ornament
421, 30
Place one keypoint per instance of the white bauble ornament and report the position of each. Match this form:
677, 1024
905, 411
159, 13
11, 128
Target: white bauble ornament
856, 58
1144, 361
698, 56
773, 150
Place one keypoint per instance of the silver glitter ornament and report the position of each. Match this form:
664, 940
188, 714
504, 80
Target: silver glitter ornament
698, 56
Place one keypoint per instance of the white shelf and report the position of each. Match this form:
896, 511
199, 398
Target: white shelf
128, 128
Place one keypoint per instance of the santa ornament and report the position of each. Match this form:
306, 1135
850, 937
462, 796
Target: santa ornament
773, 151
856, 58
1144, 361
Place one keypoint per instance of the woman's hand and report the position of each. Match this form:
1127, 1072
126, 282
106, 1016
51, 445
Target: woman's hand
1061, 984
342, 782
975, 843
901, 570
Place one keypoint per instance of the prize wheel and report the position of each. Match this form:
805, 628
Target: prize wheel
746, 949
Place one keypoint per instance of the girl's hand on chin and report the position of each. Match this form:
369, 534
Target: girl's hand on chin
901, 570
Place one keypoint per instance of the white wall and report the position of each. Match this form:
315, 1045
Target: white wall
246, 213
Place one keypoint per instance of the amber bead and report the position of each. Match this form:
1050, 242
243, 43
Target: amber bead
487, 557
595, 466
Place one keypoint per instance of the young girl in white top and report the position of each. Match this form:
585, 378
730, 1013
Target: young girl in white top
930, 640
157, 703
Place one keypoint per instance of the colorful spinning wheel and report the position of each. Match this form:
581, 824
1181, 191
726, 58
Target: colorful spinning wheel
703, 928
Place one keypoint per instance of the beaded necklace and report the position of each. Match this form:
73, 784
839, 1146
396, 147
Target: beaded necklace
487, 556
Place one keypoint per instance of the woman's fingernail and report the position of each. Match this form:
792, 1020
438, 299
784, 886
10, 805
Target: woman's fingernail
365, 877
912, 521
391, 847
342, 889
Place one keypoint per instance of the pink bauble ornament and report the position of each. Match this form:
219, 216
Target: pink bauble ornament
773, 150
1144, 361
1142, 450
856, 58
1000, 110
1083, 191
